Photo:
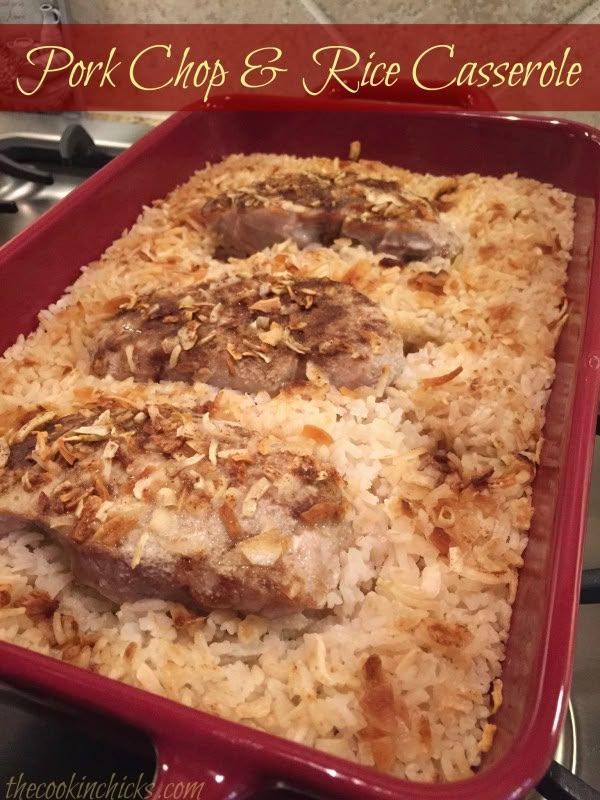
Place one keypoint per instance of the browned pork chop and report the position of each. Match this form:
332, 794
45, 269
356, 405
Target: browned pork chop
313, 209
251, 335
175, 505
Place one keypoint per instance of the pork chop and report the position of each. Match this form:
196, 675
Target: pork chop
251, 335
311, 209
172, 504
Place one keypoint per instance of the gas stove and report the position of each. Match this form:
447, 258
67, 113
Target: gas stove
42, 158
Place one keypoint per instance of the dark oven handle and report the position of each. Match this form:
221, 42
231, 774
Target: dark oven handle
561, 784
590, 586
557, 784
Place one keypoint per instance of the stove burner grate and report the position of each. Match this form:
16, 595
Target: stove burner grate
75, 148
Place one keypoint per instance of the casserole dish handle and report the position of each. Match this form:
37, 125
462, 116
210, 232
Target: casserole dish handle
199, 771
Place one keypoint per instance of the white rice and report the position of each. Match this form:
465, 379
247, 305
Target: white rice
437, 622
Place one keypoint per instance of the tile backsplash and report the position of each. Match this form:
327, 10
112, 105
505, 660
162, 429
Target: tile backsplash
298, 11
337, 11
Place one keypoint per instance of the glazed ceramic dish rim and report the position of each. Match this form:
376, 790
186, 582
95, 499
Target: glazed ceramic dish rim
235, 760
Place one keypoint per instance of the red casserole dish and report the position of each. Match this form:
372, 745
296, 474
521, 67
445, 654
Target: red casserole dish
235, 761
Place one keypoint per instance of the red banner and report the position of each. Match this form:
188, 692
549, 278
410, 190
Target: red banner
167, 67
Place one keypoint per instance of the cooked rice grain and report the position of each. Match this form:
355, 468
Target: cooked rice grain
438, 469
